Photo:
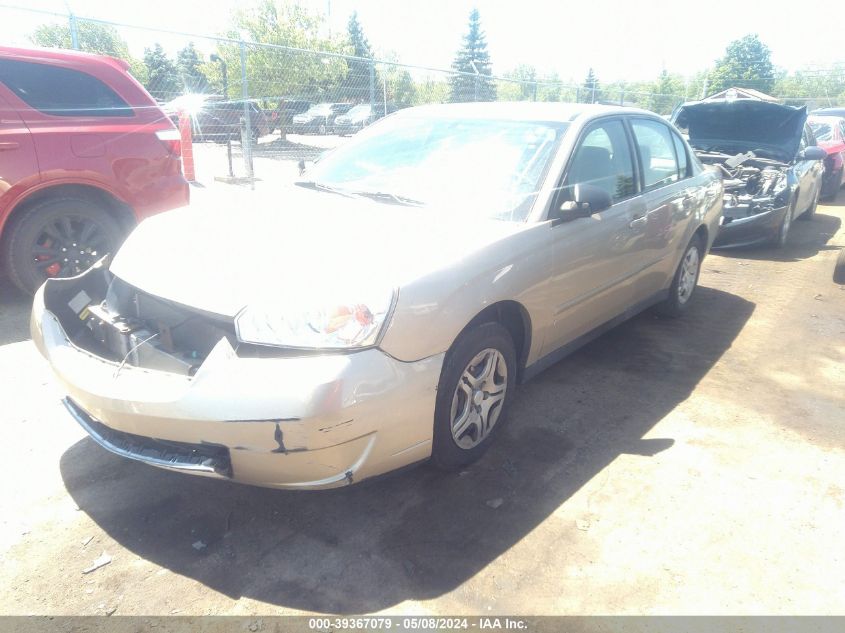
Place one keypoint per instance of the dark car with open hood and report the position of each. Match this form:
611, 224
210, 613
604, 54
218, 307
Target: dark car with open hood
770, 165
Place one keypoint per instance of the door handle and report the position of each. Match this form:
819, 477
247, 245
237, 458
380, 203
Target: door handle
6, 145
638, 220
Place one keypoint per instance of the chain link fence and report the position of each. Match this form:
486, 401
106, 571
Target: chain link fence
271, 101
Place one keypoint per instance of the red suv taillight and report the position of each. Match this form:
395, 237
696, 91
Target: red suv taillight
172, 140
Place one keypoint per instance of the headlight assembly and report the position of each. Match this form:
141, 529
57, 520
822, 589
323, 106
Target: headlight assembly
345, 324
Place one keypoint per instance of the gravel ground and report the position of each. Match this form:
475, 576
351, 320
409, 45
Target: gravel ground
670, 467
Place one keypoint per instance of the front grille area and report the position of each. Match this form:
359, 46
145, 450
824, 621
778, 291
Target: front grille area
198, 458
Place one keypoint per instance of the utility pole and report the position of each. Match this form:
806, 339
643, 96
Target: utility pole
222, 62
477, 75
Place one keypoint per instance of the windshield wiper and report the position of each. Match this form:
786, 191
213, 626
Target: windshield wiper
381, 196
318, 186
391, 198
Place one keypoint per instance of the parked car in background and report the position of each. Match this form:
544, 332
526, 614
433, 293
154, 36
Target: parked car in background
318, 119
830, 136
215, 118
768, 158
360, 116
282, 116
384, 314
840, 112
85, 154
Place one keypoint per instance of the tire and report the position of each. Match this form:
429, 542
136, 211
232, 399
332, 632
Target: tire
41, 231
837, 178
488, 345
685, 281
779, 240
810, 213
839, 270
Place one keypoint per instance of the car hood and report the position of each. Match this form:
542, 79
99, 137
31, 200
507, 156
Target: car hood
300, 242
743, 125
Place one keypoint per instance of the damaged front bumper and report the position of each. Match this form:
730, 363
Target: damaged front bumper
741, 227
315, 421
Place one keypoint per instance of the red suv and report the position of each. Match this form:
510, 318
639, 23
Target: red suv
85, 154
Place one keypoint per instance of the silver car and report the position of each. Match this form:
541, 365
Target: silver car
383, 313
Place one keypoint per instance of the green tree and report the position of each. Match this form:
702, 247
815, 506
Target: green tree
274, 73
667, 92
522, 85
590, 92
473, 62
163, 81
747, 63
550, 88
356, 85
189, 64
92, 37
431, 90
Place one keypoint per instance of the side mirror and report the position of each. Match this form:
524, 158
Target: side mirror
588, 199
813, 152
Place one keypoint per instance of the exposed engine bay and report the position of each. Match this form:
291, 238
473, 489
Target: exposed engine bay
115, 321
752, 184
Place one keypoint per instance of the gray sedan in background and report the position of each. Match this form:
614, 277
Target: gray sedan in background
384, 313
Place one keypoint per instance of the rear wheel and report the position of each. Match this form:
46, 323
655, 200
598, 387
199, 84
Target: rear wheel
476, 386
685, 281
59, 237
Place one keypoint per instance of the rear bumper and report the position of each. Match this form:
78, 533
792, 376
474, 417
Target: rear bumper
287, 422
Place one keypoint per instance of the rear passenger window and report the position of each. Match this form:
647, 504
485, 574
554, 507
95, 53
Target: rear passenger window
603, 159
61, 91
681, 152
657, 153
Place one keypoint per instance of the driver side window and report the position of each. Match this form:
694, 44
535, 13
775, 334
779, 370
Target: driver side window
602, 159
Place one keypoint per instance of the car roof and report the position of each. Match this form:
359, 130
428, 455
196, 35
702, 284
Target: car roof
60, 55
521, 110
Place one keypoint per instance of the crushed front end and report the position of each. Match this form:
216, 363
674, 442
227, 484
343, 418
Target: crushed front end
757, 194
171, 386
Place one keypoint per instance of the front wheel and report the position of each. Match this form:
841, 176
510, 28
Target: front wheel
779, 240
476, 386
685, 280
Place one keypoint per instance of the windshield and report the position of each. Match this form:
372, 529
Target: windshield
822, 131
321, 109
359, 110
484, 167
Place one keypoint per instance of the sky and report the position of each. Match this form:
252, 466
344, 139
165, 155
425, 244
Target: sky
620, 39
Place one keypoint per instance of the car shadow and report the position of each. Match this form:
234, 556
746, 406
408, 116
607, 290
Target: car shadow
420, 533
806, 239
15, 307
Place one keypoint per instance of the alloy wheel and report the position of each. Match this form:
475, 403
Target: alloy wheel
68, 246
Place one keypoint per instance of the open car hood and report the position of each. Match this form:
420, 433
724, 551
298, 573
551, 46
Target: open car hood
770, 130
